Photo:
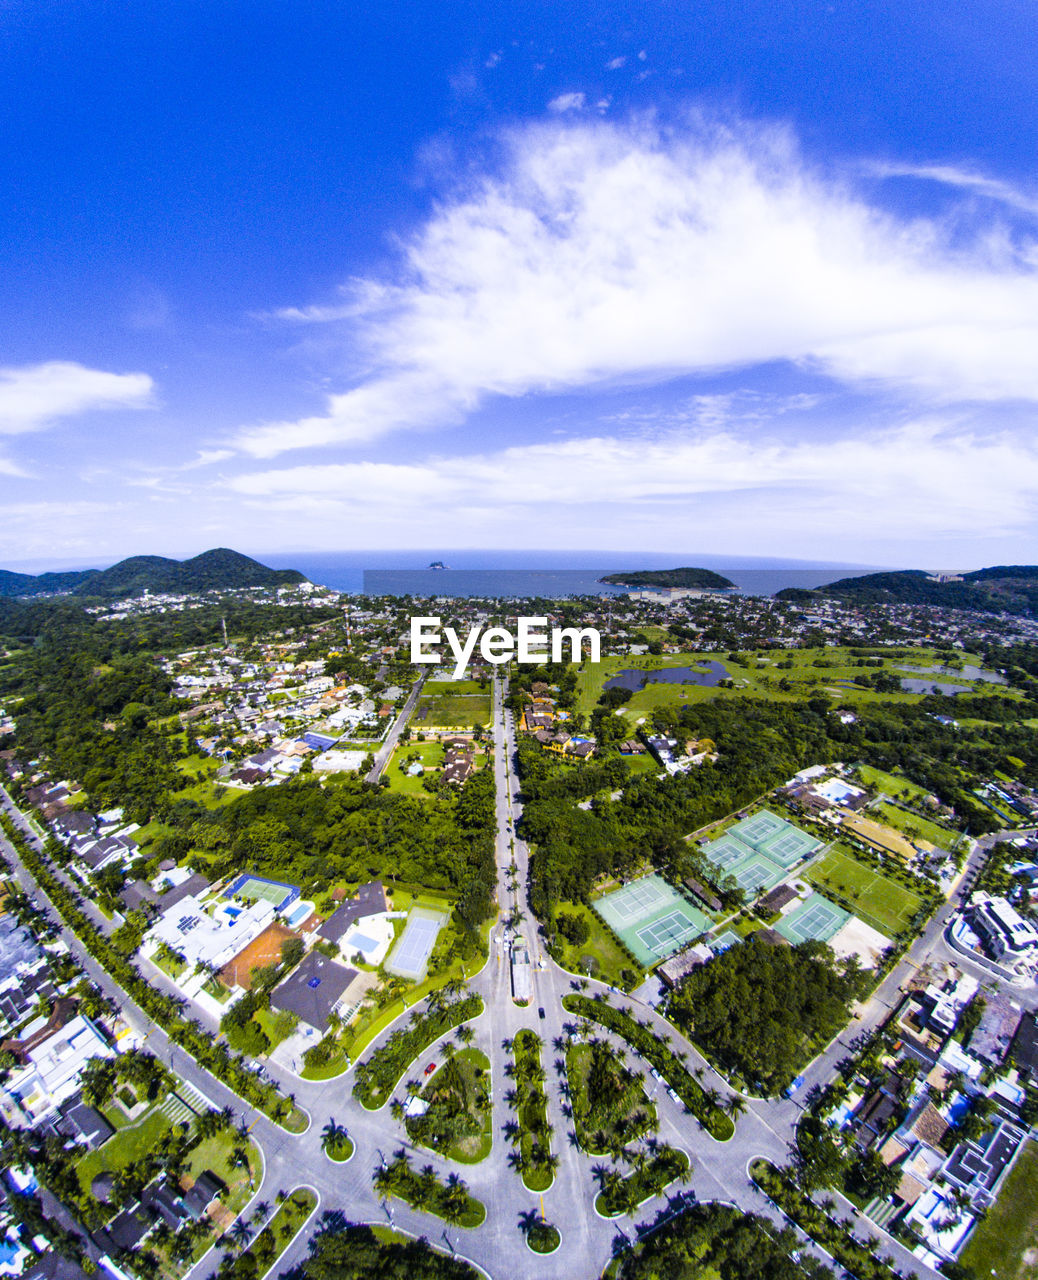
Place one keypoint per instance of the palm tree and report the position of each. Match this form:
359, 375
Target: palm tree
465, 1033
735, 1106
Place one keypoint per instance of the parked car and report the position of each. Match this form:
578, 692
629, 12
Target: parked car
430, 1068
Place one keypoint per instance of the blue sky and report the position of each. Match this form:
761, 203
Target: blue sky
754, 279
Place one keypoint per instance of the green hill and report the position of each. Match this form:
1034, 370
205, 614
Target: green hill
999, 589
668, 578
212, 570
28, 584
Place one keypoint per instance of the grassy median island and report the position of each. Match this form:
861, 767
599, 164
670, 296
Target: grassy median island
541, 1236
421, 1189
457, 1123
652, 1172
532, 1132
254, 1262
377, 1077
610, 1108
656, 1051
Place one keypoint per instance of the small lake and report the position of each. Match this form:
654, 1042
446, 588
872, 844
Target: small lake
928, 686
708, 673
961, 673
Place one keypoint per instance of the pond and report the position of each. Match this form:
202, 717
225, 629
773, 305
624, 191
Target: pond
929, 686
961, 673
708, 673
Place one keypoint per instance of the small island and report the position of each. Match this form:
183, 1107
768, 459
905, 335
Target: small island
686, 577
438, 564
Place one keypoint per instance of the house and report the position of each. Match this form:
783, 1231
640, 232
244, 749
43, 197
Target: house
208, 940
977, 1167
77, 1122
315, 990
50, 1074
1025, 1047
369, 900
704, 895
994, 1033
1005, 934
781, 896
679, 966
198, 1199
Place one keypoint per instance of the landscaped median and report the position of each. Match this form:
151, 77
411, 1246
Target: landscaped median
652, 1174
254, 1262
448, 1200
457, 1120
811, 1218
162, 1009
376, 1079
656, 1051
534, 1157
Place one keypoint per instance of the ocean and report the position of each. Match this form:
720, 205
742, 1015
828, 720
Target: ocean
514, 574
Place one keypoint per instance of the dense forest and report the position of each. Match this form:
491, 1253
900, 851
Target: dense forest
761, 1011
685, 577
711, 1241
999, 589
356, 1253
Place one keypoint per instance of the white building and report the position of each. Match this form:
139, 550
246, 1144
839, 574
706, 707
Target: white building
51, 1074
209, 940
1005, 934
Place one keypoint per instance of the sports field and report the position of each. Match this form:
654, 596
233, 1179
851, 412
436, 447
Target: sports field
776, 838
262, 950
878, 900
751, 870
816, 918
258, 889
651, 919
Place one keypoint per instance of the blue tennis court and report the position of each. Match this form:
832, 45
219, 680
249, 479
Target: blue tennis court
651, 918
816, 918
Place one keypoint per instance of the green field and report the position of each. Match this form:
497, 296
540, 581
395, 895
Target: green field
891, 784
878, 900
829, 672
601, 945
460, 711
912, 825
1005, 1242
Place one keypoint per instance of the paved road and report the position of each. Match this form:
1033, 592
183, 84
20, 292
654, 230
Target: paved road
393, 736
719, 1170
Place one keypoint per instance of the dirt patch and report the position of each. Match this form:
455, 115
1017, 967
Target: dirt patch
262, 950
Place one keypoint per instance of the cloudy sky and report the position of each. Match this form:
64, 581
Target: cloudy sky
747, 280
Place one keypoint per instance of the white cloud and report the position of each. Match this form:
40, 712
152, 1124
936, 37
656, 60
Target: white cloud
962, 179
614, 64
567, 102
927, 477
35, 396
599, 254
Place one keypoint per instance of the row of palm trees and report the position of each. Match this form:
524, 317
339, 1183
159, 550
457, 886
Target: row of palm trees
422, 1189
530, 1134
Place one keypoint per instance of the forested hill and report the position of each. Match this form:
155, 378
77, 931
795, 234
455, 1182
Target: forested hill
668, 578
1000, 589
28, 584
220, 568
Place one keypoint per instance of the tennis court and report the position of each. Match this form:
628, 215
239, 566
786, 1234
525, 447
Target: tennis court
651, 919
759, 827
723, 941
410, 957
259, 889
816, 918
751, 870
773, 836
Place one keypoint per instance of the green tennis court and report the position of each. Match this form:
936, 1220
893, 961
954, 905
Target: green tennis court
816, 918
773, 836
652, 919
751, 870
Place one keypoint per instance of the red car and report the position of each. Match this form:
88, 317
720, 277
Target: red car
430, 1068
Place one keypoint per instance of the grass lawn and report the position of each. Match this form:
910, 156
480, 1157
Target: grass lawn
278, 1026
912, 825
881, 902
601, 945
1005, 1243
168, 965
454, 1094
892, 784
213, 987
215, 1153
461, 710
123, 1148
431, 756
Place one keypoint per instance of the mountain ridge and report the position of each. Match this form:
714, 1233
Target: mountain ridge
997, 589
216, 569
